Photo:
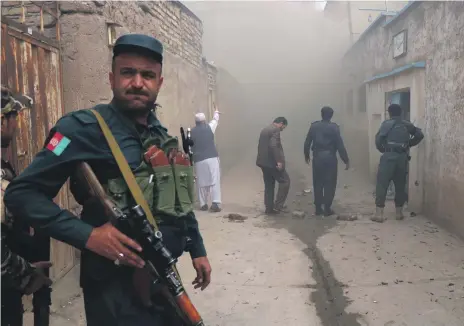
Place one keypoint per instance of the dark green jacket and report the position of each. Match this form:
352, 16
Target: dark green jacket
40, 182
397, 132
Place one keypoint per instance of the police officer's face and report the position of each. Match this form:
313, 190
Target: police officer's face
136, 81
9, 125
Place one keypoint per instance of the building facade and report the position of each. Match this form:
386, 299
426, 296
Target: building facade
357, 16
415, 59
87, 31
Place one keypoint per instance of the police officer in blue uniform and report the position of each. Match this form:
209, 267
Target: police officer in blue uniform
394, 139
325, 141
110, 293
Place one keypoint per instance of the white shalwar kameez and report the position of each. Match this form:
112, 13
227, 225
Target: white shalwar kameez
208, 173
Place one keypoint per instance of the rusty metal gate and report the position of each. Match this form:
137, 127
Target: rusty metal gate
30, 64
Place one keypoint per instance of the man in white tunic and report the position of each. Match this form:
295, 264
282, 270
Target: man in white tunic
206, 162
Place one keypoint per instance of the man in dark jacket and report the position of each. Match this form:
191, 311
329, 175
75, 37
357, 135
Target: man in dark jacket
325, 139
113, 277
271, 160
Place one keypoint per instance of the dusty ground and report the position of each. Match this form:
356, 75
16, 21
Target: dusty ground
314, 271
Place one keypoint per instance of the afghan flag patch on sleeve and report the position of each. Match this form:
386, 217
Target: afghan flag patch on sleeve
58, 143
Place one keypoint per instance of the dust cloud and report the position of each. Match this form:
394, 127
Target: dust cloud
284, 54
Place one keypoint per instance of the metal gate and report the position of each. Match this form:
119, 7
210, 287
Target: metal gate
30, 64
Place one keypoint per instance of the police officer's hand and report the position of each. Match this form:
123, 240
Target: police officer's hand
109, 242
203, 268
347, 166
38, 277
308, 160
280, 166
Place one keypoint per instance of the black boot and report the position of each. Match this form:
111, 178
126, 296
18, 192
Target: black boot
204, 208
271, 211
328, 211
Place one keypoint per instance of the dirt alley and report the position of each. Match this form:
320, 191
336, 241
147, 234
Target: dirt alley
313, 271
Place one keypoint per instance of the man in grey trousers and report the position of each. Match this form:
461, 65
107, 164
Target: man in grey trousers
271, 160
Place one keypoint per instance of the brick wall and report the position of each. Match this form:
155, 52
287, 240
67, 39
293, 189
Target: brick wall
170, 21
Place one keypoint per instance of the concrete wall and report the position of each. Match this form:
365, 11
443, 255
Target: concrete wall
233, 133
437, 99
340, 11
87, 54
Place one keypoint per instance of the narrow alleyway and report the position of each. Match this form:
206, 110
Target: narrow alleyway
314, 271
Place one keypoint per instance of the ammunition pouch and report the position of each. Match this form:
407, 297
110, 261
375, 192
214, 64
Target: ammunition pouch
167, 189
184, 186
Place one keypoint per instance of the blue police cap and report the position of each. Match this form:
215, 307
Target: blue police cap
139, 43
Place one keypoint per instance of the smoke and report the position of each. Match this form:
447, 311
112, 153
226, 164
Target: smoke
285, 55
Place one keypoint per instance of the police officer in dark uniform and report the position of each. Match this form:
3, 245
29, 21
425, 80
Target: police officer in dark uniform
325, 139
108, 265
19, 276
393, 140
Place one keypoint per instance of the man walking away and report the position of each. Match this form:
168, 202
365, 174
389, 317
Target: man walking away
393, 140
271, 160
206, 162
325, 139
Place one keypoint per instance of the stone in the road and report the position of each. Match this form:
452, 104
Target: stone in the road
347, 217
298, 214
233, 217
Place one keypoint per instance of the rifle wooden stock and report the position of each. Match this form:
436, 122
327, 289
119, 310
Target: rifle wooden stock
179, 300
86, 178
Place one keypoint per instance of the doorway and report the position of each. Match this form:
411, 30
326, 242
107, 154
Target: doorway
402, 98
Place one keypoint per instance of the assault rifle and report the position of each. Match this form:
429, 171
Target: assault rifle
158, 258
187, 143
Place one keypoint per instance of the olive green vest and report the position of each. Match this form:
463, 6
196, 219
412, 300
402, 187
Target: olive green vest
168, 190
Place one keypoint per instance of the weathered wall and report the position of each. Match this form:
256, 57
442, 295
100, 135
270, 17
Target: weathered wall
339, 11
434, 36
87, 55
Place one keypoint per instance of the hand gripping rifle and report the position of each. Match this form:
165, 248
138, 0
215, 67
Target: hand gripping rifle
157, 257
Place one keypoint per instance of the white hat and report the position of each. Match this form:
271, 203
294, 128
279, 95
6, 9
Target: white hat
200, 117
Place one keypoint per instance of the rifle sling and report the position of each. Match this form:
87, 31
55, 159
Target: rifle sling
125, 169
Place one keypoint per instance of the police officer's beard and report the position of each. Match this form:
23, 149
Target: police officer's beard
134, 112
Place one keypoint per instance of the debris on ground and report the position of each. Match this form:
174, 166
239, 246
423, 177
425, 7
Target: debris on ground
298, 214
237, 218
347, 217
307, 191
